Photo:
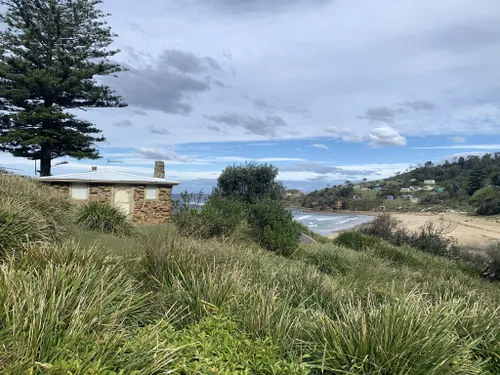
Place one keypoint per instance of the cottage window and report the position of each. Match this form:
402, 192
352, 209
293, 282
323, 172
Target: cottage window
150, 192
79, 191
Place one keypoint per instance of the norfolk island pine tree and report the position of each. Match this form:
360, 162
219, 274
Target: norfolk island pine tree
51, 51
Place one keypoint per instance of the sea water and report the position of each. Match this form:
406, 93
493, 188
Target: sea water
328, 223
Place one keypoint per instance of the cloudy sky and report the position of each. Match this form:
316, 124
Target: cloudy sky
327, 90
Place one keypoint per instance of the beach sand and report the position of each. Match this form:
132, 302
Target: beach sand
467, 230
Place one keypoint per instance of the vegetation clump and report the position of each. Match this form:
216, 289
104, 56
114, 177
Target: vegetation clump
247, 200
163, 303
103, 217
428, 238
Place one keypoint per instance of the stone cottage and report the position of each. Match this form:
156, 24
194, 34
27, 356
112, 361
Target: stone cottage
147, 200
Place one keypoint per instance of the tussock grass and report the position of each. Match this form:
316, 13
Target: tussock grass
57, 304
30, 211
160, 303
103, 217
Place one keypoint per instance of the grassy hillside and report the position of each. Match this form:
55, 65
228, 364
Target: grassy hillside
158, 303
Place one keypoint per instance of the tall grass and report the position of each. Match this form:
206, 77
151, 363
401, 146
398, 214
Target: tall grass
55, 310
103, 217
402, 335
161, 303
30, 211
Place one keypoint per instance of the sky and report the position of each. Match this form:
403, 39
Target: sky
326, 90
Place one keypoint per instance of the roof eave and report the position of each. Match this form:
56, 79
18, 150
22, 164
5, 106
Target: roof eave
166, 183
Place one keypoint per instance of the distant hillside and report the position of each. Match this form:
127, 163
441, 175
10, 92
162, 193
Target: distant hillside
468, 183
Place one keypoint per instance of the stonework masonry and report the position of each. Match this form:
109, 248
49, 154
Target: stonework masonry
102, 193
156, 211
143, 211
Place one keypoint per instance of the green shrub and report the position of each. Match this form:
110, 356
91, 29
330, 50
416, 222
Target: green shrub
431, 239
188, 222
217, 346
273, 227
356, 240
221, 216
103, 217
492, 269
428, 238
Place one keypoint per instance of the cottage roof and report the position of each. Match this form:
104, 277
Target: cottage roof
107, 176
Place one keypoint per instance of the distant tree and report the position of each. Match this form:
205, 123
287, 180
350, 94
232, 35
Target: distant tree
249, 182
476, 181
51, 52
495, 179
429, 164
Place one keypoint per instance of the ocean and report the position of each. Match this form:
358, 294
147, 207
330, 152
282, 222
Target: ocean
326, 224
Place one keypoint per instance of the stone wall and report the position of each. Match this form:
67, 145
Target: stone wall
102, 193
144, 211
156, 211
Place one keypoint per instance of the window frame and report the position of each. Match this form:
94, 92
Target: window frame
81, 184
150, 187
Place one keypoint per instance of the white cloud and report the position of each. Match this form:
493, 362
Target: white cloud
386, 136
492, 147
320, 145
447, 83
458, 139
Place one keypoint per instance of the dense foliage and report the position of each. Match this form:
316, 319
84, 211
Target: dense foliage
160, 303
249, 182
273, 227
247, 202
428, 238
103, 217
51, 52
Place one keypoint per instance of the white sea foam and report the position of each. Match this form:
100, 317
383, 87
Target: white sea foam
300, 218
328, 223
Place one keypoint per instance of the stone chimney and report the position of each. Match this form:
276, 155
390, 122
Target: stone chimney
94, 169
159, 169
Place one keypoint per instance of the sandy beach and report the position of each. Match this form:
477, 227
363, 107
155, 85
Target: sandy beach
467, 230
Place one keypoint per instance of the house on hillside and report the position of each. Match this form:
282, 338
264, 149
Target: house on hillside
406, 190
440, 189
389, 197
377, 188
146, 200
430, 182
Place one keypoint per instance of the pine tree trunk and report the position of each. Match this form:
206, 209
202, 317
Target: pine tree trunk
45, 162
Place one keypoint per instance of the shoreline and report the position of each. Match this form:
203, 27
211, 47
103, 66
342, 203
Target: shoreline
465, 229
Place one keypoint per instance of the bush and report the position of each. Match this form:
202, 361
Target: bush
428, 238
356, 240
492, 270
217, 346
188, 222
273, 227
221, 216
103, 217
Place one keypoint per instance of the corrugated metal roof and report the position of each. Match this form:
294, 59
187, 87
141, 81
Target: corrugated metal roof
108, 177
